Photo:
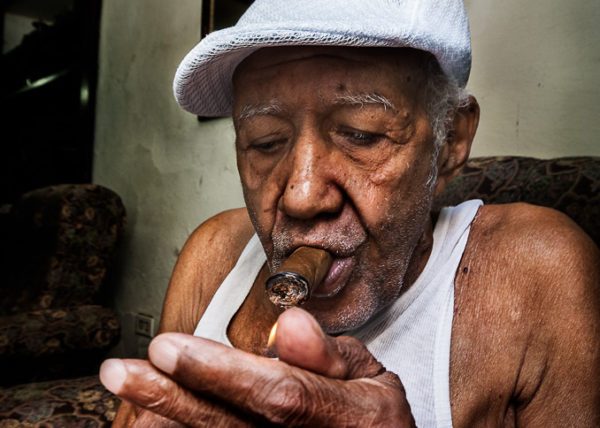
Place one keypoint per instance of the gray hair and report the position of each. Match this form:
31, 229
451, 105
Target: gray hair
443, 97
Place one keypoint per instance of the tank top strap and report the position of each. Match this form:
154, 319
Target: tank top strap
232, 293
449, 238
458, 224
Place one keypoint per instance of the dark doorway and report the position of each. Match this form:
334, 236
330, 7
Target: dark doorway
47, 93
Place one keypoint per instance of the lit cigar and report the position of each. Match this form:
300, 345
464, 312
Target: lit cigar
294, 281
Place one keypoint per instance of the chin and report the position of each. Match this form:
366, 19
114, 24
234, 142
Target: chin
336, 319
358, 302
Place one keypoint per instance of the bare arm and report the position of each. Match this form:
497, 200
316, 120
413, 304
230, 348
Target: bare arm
564, 391
527, 321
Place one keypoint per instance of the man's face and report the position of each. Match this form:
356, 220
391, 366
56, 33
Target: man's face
334, 150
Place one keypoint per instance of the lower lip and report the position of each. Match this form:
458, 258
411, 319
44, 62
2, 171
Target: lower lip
336, 278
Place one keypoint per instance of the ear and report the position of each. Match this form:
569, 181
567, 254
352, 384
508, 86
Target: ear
455, 151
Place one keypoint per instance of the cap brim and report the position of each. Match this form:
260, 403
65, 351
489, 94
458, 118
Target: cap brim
203, 81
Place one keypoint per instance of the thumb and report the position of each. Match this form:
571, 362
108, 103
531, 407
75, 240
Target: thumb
300, 341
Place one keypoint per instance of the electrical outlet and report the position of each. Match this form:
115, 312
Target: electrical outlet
142, 343
144, 325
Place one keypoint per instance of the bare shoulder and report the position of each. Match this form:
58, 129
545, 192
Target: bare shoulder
515, 218
530, 239
528, 316
209, 254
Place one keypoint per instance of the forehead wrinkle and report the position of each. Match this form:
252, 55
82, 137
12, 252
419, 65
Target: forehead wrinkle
365, 99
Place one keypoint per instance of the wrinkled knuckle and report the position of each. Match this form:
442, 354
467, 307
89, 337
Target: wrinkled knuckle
392, 408
352, 348
157, 401
208, 417
397, 409
160, 404
288, 401
391, 379
350, 341
360, 361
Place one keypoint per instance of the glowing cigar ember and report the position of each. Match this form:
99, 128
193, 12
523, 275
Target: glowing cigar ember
298, 275
272, 335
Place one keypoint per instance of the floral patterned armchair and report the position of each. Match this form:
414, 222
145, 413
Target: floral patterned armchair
57, 245
570, 185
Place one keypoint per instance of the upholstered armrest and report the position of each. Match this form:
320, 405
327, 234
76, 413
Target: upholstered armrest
570, 185
60, 244
81, 402
57, 331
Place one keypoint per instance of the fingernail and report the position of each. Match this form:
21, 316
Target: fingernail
112, 375
163, 354
308, 317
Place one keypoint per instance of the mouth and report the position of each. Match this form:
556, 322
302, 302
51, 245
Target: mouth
336, 278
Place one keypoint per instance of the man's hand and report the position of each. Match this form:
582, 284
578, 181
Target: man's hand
318, 381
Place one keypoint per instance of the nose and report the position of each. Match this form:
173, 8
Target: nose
311, 188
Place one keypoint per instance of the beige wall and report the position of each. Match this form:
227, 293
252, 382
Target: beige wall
536, 66
171, 171
534, 72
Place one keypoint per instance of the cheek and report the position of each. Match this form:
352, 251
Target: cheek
261, 196
387, 196
379, 190
262, 218
251, 177
254, 182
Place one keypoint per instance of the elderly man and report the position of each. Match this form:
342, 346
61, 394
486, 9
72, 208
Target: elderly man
350, 117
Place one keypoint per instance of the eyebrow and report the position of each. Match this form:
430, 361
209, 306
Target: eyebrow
252, 110
365, 99
273, 108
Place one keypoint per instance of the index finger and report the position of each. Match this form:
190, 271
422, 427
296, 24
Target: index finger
138, 382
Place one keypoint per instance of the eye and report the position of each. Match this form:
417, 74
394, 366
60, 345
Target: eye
267, 147
360, 138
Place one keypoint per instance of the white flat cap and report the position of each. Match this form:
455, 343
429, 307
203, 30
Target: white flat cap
203, 81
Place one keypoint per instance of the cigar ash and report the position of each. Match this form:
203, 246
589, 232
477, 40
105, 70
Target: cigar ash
288, 289
292, 284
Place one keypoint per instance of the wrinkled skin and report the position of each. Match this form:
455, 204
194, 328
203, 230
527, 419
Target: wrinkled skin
318, 381
351, 177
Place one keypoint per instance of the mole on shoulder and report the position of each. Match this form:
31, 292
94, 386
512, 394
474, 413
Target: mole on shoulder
465, 270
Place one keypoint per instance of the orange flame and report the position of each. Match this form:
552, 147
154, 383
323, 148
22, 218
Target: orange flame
272, 335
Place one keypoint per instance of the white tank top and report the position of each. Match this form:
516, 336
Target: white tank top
410, 338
